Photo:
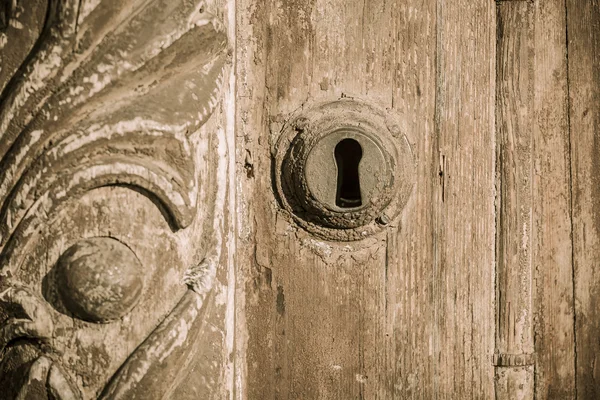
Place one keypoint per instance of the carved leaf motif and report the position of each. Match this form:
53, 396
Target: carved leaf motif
108, 96
100, 93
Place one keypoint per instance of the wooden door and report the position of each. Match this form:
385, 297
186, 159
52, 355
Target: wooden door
149, 249
485, 285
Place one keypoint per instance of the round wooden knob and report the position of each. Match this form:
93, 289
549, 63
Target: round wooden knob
100, 279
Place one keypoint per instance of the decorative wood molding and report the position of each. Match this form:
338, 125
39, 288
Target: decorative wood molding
108, 95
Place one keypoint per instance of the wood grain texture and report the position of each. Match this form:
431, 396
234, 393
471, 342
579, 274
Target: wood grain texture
20, 27
410, 309
463, 202
583, 25
514, 275
107, 147
535, 202
314, 309
552, 249
404, 315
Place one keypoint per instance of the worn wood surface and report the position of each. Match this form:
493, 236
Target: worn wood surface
485, 285
500, 103
513, 356
463, 203
534, 286
583, 24
116, 200
408, 313
409, 260
552, 247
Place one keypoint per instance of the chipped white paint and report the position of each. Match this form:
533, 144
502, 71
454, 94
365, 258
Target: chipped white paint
122, 169
229, 102
178, 337
46, 65
201, 278
81, 144
198, 19
145, 50
16, 24
318, 246
168, 192
9, 172
121, 128
87, 6
98, 83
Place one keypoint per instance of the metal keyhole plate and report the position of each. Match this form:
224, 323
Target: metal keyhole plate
323, 171
376, 180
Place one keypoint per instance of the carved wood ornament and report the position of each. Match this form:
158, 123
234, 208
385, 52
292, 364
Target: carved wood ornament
103, 102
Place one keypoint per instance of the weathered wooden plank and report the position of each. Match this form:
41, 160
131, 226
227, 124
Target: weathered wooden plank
583, 26
409, 281
552, 197
532, 71
249, 117
413, 320
316, 311
514, 358
463, 202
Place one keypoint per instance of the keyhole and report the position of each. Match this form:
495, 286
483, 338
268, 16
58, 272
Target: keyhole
347, 157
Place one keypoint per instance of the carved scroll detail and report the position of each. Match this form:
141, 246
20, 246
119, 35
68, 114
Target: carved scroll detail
161, 356
125, 125
35, 324
109, 95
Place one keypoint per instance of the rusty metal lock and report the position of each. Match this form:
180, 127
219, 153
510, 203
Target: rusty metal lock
343, 169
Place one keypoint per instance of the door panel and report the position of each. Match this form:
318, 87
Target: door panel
408, 312
534, 286
463, 247
484, 285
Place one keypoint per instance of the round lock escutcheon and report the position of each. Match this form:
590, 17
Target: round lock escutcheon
343, 169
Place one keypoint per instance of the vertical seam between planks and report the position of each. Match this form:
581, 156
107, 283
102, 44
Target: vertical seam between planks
389, 348
434, 202
389, 237
497, 197
571, 196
